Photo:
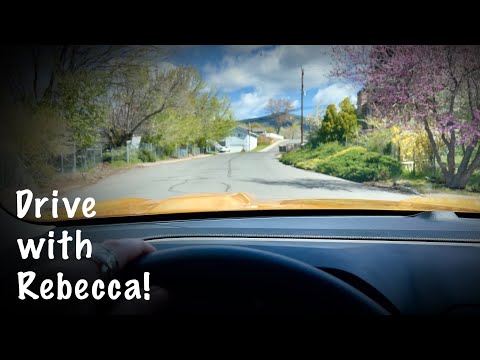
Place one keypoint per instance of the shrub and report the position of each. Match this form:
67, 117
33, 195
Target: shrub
474, 182
357, 164
263, 140
308, 164
308, 153
145, 155
379, 140
116, 154
354, 163
107, 156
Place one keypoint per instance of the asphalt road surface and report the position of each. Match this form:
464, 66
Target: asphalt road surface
260, 174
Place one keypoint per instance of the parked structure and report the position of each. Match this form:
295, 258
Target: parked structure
241, 139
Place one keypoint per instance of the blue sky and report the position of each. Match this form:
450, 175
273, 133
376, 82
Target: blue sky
251, 74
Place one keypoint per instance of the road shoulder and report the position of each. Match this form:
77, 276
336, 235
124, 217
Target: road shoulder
70, 182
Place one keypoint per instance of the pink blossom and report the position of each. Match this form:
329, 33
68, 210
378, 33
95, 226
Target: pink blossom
419, 83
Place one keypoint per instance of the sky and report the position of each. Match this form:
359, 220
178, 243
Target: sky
251, 74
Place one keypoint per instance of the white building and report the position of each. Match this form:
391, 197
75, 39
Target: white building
241, 140
274, 136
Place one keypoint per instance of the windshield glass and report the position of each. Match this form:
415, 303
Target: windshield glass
167, 129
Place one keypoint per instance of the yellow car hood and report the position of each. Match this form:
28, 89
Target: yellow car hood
243, 201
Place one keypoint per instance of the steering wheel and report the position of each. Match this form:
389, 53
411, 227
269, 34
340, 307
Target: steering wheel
235, 280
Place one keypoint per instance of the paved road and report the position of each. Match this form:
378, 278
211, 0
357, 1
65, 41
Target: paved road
260, 174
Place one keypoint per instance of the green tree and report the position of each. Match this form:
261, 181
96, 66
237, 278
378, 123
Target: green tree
347, 121
59, 93
337, 126
143, 94
328, 130
215, 117
204, 117
82, 104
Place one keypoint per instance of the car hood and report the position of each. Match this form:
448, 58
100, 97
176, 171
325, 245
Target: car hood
245, 202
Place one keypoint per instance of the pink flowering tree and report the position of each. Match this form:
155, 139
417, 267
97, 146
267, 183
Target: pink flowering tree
433, 88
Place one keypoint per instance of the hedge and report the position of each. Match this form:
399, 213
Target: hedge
354, 163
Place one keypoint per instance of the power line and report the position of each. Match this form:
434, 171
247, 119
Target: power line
301, 116
311, 107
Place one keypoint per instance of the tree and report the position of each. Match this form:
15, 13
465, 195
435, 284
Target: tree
328, 132
337, 126
82, 105
433, 88
215, 117
142, 94
203, 117
59, 92
314, 120
347, 121
292, 131
36, 72
78, 93
280, 110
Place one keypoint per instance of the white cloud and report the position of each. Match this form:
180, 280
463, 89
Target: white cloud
271, 72
250, 105
335, 93
242, 49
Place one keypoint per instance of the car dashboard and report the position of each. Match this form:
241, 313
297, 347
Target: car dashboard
428, 263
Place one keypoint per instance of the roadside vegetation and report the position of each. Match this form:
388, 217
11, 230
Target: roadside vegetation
377, 154
84, 105
260, 147
352, 163
418, 122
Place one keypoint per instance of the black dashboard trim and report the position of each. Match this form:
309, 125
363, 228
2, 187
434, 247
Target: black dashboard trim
226, 214
307, 236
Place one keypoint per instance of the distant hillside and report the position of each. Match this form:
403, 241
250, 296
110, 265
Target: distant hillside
268, 120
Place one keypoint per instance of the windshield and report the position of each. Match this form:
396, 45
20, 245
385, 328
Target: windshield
167, 129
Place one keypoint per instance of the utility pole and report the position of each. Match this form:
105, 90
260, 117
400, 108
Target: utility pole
248, 134
301, 116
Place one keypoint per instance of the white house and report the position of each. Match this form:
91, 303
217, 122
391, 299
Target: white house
241, 139
274, 136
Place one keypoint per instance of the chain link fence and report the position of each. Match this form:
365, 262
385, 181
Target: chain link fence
81, 160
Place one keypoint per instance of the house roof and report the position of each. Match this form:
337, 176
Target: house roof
245, 128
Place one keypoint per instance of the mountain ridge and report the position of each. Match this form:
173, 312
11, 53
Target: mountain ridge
268, 120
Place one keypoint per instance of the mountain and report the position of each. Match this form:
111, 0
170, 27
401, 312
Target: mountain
268, 120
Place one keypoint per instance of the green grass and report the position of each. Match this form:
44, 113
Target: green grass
260, 147
429, 183
119, 163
